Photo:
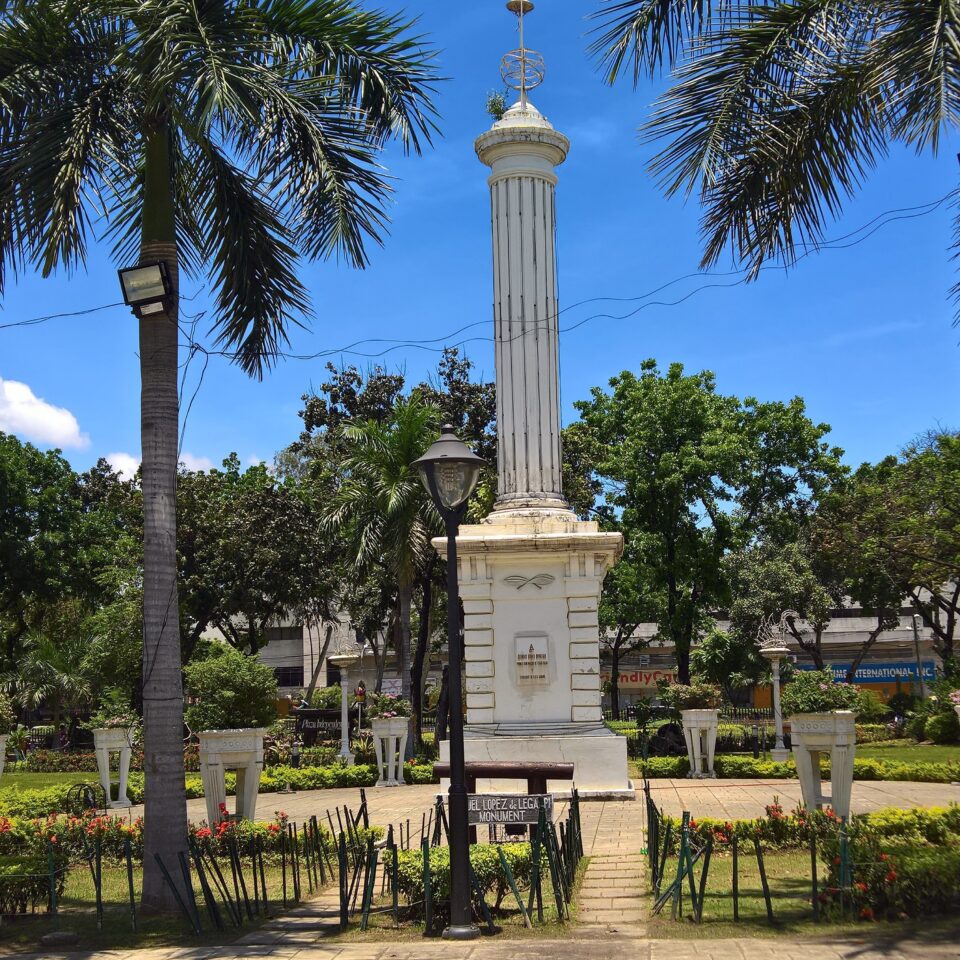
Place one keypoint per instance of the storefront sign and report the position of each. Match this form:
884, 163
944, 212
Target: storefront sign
508, 807
645, 679
879, 672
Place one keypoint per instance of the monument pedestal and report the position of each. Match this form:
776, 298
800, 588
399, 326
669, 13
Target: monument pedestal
530, 583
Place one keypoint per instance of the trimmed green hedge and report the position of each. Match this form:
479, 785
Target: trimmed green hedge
732, 767
38, 803
25, 883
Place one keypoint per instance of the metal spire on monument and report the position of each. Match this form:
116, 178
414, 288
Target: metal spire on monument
522, 69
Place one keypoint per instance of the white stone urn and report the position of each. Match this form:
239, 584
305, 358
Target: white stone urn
390, 745
3, 751
223, 750
700, 732
835, 733
107, 740
956, 710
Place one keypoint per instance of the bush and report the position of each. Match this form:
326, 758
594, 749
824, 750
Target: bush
875, 732
697, 695
487, 869
233, 691
915, 725
942, 728
25, 882
326, 698
869, 708
8, 719
815, 691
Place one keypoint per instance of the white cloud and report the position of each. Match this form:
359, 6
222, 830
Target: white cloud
25, 414
124, 463
193, 462
254, 461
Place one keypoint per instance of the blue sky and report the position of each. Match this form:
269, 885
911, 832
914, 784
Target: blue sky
863, 334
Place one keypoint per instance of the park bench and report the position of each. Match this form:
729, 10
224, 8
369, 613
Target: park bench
536, 775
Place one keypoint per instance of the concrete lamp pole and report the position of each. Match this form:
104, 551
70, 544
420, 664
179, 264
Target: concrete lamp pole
343, 662
450, 470
775, 654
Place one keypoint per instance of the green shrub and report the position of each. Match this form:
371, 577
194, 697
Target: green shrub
8, 719
815, 691
327, 698
233, 691
942, 728
875, 732
915, 725
25, 882
869, 708
487, 869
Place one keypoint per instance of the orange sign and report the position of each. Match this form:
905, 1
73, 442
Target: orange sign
644, 678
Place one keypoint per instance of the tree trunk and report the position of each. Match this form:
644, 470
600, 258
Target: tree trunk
405, 597
316, 667
165, 812
420, 656
868, 643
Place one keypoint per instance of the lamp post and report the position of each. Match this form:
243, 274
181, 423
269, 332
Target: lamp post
774, 648
343, 662
450, 470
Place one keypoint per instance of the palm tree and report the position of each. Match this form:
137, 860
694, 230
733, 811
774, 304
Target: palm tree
780, 109
383, 509
230, 137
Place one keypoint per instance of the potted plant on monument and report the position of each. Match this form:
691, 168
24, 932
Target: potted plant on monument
820, 711
389, 718
8, 722
698, 705
115, 727
233, 699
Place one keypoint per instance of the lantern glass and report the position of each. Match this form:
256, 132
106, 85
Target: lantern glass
454, 481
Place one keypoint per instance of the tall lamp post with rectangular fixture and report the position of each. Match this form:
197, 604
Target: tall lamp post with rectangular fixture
450, 470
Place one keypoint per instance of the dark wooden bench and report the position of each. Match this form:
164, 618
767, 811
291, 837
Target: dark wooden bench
536, 775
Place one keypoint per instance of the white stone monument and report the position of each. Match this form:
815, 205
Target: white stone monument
530, 575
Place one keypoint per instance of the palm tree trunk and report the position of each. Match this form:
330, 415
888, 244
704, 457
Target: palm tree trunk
321, 662
403, 654
165, 813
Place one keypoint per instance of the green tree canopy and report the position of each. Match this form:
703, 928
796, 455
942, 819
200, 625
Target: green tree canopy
693, 474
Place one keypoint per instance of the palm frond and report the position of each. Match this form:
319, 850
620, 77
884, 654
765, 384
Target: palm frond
252, 261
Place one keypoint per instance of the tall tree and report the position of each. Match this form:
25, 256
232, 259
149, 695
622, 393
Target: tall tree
693, 475
232, 137
780, 109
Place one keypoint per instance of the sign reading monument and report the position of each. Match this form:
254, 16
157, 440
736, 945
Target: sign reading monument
508, 807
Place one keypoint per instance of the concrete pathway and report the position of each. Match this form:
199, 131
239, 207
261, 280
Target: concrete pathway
727, 799
746, 799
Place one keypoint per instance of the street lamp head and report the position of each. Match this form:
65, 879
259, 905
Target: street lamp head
449, 470
146, 287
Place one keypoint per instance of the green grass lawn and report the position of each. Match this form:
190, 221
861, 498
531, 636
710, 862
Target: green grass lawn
77, 912
909, 751
38, 781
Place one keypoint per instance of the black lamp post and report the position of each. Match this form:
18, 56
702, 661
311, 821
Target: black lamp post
450, 470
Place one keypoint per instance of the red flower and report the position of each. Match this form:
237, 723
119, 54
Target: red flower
891, 876
861, 886
866, 913
204, 832
883, 856
836, 861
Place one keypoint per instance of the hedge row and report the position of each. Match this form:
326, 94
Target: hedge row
39, 803
730, 767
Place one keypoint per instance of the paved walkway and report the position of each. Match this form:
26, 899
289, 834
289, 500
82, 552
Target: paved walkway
726, 799
587, 944
745, 799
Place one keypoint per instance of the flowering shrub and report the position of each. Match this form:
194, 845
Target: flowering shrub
384, 706
697, 695
815, 691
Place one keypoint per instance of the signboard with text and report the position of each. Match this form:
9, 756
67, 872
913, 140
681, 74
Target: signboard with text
879, 672
500, 808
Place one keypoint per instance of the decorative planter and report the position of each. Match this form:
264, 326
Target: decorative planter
107, 740
3, 751
700, 732
223, 750
835, 733
390, 744
956, 708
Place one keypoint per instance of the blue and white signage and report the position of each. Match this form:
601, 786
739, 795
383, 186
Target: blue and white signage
887, 672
